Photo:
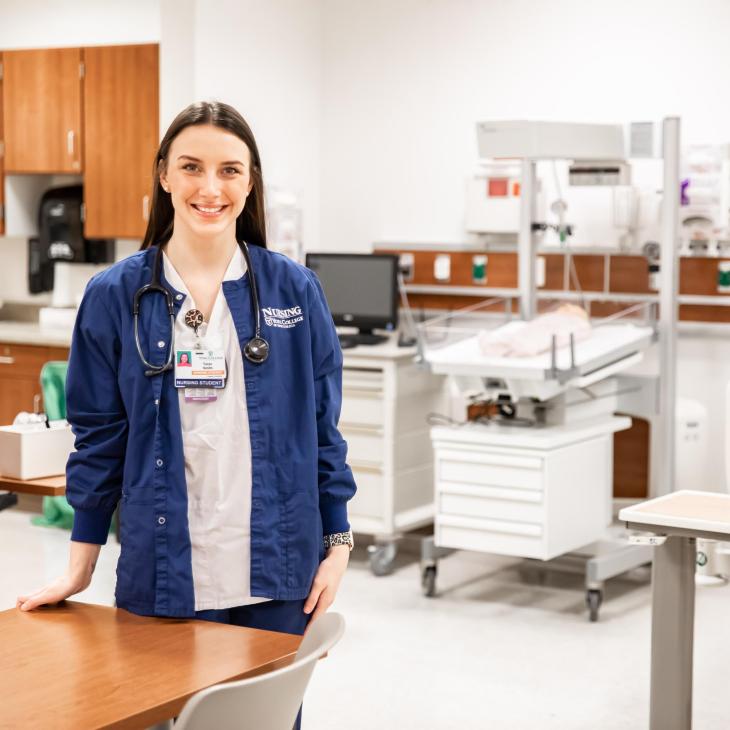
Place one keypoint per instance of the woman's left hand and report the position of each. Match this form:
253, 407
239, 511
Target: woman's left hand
327, 580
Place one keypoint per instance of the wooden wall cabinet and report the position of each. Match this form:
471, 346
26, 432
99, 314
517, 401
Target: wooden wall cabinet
121, 123
42, 110
91, 111
20, 371
2, 155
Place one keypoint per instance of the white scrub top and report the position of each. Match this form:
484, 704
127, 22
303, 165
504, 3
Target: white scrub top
217, 448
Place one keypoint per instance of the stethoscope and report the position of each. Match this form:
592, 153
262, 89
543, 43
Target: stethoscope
256, 350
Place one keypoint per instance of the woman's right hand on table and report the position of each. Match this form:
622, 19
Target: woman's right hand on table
77, 578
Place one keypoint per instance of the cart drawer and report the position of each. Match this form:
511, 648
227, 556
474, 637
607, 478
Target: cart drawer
368, 500
364, 443
362, 379
465, 502
362, 407
518, 473
491, 536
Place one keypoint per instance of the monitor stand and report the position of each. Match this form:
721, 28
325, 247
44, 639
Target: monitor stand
361, 338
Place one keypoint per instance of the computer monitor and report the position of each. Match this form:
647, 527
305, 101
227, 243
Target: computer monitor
361, 290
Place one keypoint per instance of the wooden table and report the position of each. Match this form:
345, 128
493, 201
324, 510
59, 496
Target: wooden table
80, 666
677, 520
46, 486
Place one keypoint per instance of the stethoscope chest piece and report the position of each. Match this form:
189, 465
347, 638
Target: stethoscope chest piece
256, 350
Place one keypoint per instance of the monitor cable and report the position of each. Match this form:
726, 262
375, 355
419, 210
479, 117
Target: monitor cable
404, 339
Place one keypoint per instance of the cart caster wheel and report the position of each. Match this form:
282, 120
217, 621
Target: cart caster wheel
594, 599
382, 558
428, 581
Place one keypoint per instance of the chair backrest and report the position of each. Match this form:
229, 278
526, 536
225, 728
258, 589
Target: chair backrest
266, 702
53, 387
322, 634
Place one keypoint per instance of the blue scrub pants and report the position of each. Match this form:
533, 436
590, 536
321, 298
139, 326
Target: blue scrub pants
286, 616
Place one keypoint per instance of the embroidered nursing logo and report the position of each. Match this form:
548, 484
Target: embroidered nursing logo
284, 318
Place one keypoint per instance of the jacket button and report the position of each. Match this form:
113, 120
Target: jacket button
161, 520
178, 297
159, 462
161, 344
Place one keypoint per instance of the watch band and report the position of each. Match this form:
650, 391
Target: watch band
339, 538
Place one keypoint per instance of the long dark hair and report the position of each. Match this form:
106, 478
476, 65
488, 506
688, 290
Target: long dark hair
251, 223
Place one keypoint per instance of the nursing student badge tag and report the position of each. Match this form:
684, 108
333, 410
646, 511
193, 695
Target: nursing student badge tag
199, 367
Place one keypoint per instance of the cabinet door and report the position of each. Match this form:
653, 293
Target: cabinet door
20, 372
2, 155
42, 110
121, 127
16, 395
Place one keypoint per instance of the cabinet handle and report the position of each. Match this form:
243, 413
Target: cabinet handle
70, 142
365, 429
366, 466
146, 208
5, 360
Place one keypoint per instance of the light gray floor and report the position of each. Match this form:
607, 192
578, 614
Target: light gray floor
497, 649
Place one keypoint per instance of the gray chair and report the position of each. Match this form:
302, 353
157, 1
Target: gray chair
266, 702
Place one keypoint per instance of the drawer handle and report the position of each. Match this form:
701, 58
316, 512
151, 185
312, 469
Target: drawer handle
362, 466
354, 428
5, 360
362, 393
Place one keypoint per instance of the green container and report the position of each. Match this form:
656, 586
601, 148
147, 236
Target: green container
479, 269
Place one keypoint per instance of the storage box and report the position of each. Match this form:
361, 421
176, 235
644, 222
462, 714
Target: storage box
33, 451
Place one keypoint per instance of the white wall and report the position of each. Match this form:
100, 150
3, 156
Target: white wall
177, 58
266, 60
406, 81
49, 23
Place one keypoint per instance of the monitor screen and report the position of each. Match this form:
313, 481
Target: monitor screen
361, 289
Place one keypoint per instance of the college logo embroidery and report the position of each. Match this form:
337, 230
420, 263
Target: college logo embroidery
284, 318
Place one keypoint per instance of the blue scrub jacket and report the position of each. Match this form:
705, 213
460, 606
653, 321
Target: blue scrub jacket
129, 440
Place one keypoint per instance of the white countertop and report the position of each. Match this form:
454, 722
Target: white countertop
31, 333
384, 351
685, 509
538, 437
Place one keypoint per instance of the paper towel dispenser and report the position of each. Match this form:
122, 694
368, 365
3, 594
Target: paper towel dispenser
61, 237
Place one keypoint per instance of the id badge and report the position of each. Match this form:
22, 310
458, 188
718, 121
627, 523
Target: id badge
200, 395
200, 368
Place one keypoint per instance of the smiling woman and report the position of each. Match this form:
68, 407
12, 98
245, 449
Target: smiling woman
232, 184
233, 494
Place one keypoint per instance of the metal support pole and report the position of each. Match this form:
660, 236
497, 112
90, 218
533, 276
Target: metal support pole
668, 309
672, 634
526, 241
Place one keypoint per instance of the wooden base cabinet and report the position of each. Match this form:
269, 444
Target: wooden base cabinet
20, 372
